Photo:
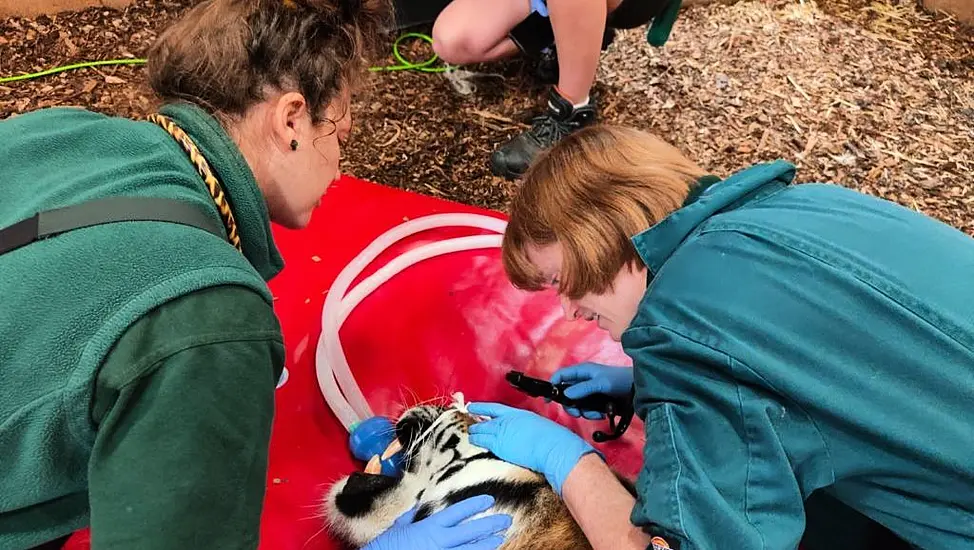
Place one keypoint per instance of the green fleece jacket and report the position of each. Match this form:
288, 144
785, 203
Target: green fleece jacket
137, 360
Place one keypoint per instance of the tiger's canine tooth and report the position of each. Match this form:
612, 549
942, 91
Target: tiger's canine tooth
392, 449
374, 466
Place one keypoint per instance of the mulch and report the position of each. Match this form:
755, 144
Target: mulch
33, 45
873, 95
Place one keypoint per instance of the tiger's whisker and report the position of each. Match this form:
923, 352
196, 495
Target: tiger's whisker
314, 536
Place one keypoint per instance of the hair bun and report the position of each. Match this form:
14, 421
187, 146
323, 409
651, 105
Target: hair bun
350, 9
315, 47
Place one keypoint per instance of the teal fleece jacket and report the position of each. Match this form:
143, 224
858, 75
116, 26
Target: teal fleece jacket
796, 338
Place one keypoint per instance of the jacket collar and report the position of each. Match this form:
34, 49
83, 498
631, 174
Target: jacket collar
230, 167
656, 244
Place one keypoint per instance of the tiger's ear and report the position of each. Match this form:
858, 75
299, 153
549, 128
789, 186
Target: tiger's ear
459, 403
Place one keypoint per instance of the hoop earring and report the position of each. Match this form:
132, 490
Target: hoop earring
294, 145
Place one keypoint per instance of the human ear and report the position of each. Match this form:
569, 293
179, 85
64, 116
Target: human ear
290, 113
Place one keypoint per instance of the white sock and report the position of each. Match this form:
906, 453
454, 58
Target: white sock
575, 106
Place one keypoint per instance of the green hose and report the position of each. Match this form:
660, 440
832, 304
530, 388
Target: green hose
71, 67
408, 65
403, 65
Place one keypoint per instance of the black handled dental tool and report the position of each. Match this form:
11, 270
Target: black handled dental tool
611, 407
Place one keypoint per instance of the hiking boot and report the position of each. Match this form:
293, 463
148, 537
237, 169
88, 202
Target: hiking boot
512, 159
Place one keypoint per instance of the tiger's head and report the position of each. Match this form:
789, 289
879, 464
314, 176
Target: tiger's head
441, 468
435, 441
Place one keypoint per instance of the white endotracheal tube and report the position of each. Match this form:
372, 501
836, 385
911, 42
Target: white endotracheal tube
335, 378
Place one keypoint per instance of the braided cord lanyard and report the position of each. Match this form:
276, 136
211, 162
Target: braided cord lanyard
203, 167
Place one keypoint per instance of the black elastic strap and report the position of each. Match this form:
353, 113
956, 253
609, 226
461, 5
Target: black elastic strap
51, 223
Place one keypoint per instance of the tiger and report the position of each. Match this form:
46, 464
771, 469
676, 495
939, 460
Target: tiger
441, 468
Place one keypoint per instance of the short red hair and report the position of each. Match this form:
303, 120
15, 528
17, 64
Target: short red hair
592, 192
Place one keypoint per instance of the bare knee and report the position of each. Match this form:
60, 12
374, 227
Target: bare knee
476, 31
454, 44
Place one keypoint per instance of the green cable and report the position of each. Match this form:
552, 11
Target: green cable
408, 65
71, 67
403, 63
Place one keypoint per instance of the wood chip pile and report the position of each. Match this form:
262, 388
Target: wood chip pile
877, 96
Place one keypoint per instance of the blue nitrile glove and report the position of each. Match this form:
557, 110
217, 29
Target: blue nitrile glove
591, 378
528, 440
444, 529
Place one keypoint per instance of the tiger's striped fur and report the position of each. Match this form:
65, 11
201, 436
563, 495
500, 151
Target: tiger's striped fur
444, 468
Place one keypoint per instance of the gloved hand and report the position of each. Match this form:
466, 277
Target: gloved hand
444, 529
590, 378
528, 440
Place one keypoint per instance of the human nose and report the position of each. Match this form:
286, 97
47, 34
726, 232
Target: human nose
570, 309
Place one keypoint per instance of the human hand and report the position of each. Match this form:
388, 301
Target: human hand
446, 529
528, 440
592, 378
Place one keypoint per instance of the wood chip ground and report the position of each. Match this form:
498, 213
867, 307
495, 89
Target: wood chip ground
877, 96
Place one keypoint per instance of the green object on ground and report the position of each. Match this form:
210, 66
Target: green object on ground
404, 65
659, 30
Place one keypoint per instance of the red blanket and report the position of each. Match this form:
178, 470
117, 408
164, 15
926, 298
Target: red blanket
448, 324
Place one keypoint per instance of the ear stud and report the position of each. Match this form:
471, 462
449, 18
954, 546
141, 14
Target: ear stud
294, 145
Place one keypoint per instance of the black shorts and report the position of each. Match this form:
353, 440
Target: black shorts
534, 34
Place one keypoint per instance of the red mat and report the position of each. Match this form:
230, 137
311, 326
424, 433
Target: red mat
448, 324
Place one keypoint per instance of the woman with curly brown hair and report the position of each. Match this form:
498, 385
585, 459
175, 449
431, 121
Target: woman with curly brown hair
139, 349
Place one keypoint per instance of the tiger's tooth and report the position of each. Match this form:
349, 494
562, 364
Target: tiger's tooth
392, 449
374, 466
